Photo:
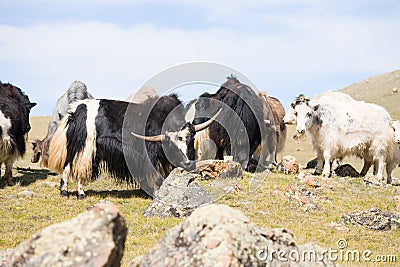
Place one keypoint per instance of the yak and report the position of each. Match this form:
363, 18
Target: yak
340, 126
240, 128
15, 107
135, 142
76, 91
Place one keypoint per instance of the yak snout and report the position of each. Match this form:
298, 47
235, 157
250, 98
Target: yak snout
300, 131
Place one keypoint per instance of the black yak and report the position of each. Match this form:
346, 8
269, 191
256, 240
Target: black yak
146, 140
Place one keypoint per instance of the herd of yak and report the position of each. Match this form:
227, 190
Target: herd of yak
142, 139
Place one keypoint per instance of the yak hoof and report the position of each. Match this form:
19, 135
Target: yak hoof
64, 193
81, 196
10, 181
326, 175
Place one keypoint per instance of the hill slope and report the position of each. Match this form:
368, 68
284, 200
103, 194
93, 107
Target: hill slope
379, 90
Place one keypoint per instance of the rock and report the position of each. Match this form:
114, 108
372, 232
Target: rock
178, 196
397, 201
4, 257
308, 179
337, 226
395, 181
93, 238
395, 90
346, 170
212, 169
218, 235
302, 197
288, 165
49, 184
374, 219
26, 193
370, 179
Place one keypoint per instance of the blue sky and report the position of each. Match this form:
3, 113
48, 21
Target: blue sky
285, 47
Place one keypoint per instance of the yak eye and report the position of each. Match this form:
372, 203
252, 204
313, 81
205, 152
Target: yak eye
180, 138
295, 113
308, 114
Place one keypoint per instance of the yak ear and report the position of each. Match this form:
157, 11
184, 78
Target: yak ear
316, 107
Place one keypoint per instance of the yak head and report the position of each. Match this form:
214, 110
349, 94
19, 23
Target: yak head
37, 147
306, 116
396, 129
291, 116
179, 145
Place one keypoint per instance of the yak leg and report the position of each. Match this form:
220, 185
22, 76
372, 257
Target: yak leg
389, 168
327, 164
79, 189
375, 170
64, 182
320, 162
381, 167
367, 165
8, 172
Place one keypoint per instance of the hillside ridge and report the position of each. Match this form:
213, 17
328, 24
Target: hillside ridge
383, 89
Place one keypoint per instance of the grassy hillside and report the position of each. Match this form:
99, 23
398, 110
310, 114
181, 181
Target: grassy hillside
379, 90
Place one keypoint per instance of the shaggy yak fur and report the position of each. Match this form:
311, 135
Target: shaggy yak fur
14, 126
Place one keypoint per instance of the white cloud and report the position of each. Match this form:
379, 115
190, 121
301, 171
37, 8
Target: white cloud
114, 61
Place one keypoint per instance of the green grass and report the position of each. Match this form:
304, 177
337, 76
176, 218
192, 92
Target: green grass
20, 217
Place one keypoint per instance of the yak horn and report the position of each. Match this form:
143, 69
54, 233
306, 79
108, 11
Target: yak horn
204, 125
155, 138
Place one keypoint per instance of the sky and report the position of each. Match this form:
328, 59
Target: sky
284, 47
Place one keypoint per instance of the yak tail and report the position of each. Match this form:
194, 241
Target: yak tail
58, 147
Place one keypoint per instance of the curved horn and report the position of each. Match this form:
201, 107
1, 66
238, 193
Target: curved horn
204, 125
155, 138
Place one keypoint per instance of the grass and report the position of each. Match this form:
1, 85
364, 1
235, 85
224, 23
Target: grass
21, 216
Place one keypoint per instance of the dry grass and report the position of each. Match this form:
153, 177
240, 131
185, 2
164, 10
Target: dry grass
378, 90
20, 216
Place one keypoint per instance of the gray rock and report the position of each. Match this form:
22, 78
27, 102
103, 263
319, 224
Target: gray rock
217, 235
303, 197
26, 193
178, 196
4, 257
94, 238
374, 219
395, 181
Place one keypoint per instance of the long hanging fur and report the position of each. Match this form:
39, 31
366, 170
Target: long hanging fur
58, 147
81, 141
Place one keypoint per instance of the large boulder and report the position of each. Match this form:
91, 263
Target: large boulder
93, 238
178, 196
217, 235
